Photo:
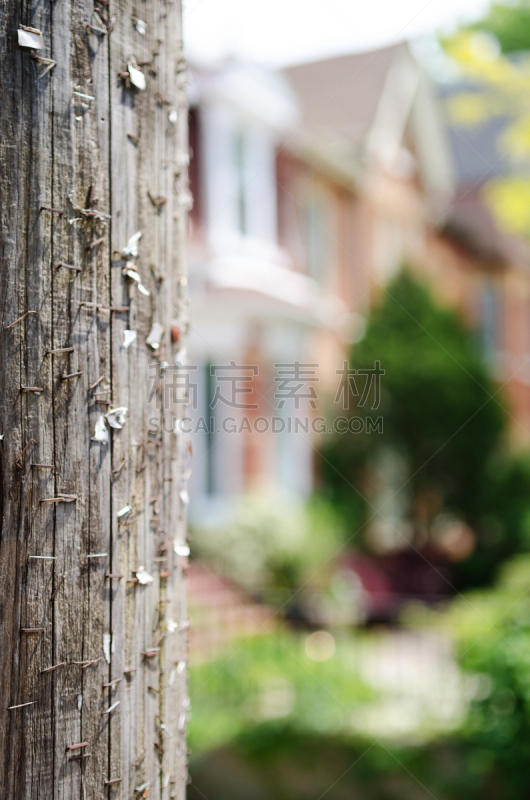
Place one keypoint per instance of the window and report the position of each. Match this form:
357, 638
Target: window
195, 169
490, 323
315, 236
240, 159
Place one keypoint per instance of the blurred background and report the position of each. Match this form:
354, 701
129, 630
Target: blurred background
359, 398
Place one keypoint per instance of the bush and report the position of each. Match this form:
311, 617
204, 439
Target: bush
273, 546
442, 431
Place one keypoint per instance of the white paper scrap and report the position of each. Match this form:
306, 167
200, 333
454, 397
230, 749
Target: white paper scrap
101, 433
143, 576
116, 417
155, 335
30, 37
137, 76
128, 338
132, 245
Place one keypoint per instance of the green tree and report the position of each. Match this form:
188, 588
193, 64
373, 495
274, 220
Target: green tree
441, 420
496, 85
510, 24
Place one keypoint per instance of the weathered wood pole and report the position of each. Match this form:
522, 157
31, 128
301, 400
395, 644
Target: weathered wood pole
93, 623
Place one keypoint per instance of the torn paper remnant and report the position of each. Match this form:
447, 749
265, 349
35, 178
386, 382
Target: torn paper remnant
136, 75
101, 433
132, 274
116, 417
30, 37
131, 251
107, 639
128, 338
143, 576
155, 335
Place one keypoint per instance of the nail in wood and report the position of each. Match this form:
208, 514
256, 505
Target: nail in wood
140, 759
59, 211
8, 327
111, 708
119, 469
95, 244
84, 96
60, 583
51, 669
111, 684
96, 383
60, 350
85, 664
44, 558
94, 28
69, 266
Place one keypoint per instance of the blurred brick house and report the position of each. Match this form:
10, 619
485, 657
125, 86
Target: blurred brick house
369, 173
407, 187
253, 306
312, 187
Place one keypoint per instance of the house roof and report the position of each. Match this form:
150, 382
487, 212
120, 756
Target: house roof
341, 95
477, 150
472, 223
479, 157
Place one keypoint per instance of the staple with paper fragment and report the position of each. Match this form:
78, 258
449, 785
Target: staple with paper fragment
143, 576
116, 417
30, 37
131, 251
136, 76
128, 338
101, 433
155, 336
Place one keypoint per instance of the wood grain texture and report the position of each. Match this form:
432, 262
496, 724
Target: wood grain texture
102, 642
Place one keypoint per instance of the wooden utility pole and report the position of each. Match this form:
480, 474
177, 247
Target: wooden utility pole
93, 623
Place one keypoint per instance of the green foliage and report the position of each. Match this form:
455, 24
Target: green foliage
269, 724
491, 631
275, 761
438, 413
499, 89
509, 23
271, 677
272, 543
503, 521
